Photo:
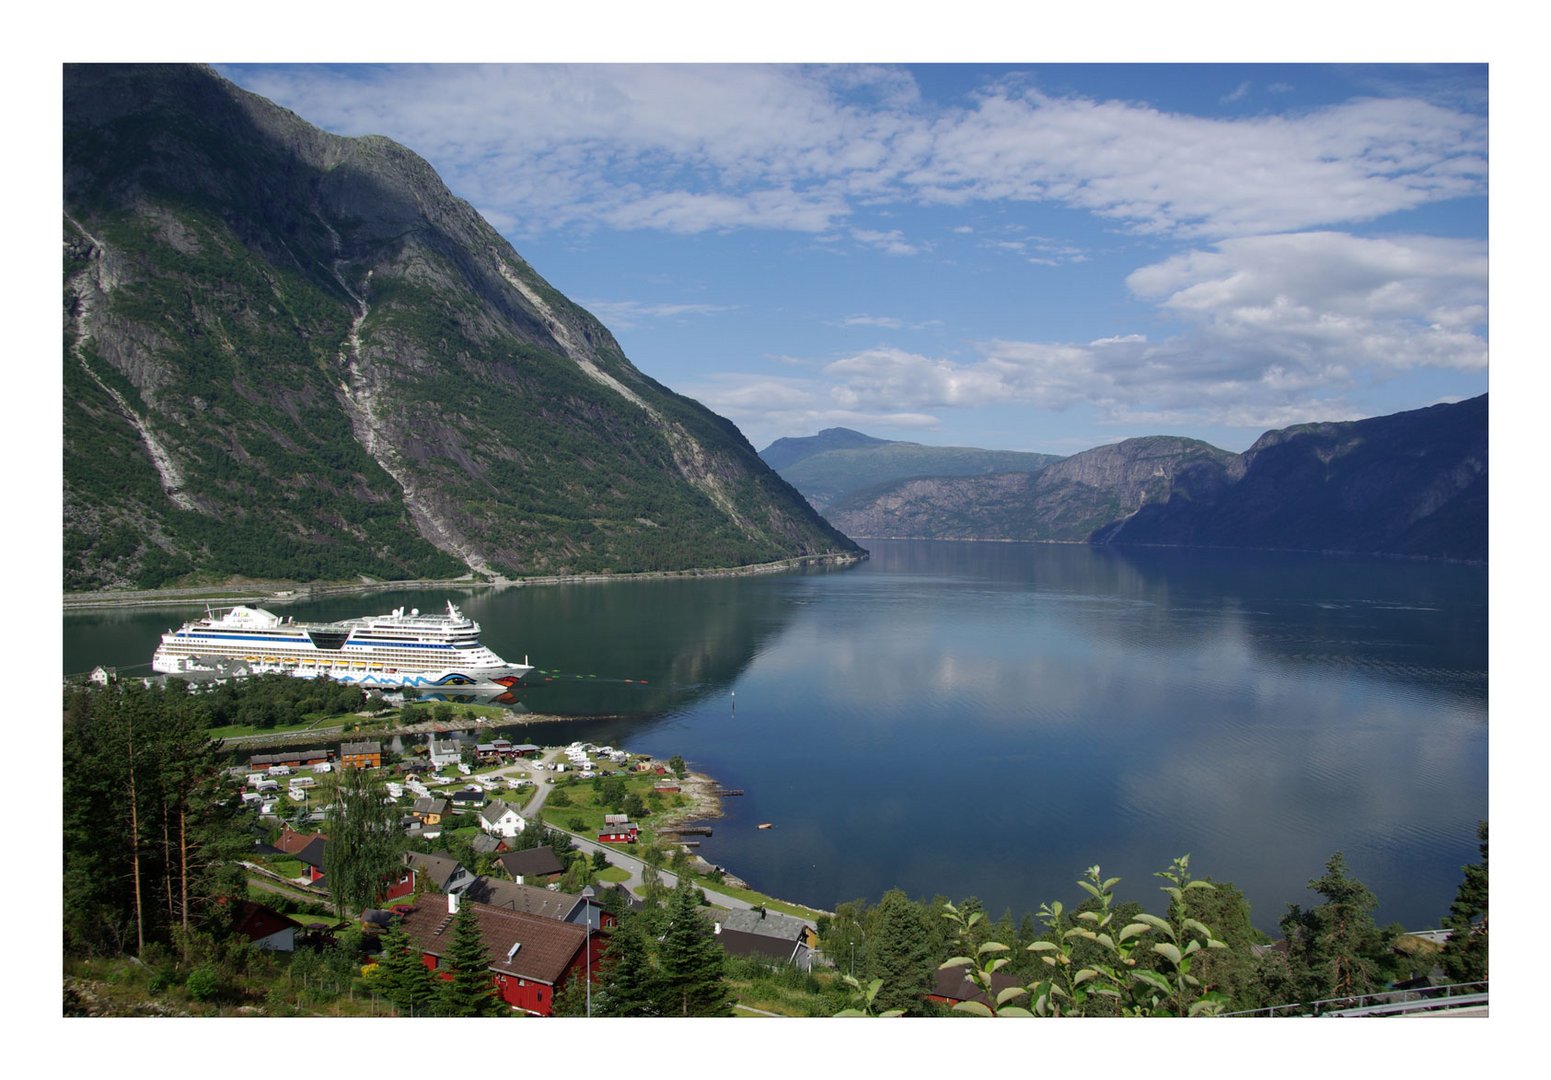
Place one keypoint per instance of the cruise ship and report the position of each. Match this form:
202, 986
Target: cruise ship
400, 649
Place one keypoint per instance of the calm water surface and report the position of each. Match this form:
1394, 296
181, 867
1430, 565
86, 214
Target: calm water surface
991, 719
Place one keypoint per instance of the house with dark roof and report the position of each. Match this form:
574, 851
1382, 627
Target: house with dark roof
311, 857
953, 985
291, 759
758, 932
291, 841
264, 927
469, 798
530, 958
443, 871
545, 903
535, 864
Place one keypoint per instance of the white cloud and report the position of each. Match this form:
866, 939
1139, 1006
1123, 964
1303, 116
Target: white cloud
767, 407
892, 242
887, 322
688, 148
631, 313
1316, 301
1274, 330
1238, 93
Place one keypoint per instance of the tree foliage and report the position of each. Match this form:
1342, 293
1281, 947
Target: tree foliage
691, 976
402, 978
1465, 953
470, 991
365, 841
149, 838
1335, 949
899, 952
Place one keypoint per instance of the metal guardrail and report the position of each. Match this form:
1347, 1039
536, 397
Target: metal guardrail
1384, 1003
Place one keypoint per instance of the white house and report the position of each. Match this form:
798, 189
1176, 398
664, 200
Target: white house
499, 819
443, 752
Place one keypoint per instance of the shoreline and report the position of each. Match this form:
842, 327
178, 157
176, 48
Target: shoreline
277, 593
703, 804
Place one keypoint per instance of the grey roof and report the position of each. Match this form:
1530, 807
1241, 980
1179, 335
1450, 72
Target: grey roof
528, 899
484, 843
312, 854
430, 804
495, 811
769, 924
360, 748
439, 868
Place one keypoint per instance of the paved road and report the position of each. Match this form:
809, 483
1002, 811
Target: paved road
616, 855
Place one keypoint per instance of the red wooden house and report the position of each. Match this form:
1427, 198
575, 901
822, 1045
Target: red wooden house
622, 833
530, 958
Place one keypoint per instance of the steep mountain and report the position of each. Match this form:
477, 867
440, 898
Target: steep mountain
837, 462
296, 355
1067, 500
1414, 483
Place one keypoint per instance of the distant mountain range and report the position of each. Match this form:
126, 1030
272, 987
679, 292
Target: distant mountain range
838, 463
1414, 483
294, 355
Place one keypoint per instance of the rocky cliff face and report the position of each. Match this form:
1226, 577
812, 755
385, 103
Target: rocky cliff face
1410, 484
1414, 483
298, 355
1067, 500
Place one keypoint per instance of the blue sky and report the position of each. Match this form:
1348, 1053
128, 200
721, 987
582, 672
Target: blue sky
1042, 257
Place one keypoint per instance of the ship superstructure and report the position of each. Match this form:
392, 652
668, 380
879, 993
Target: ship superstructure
400, 649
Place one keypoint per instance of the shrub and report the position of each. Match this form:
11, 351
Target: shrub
203, 984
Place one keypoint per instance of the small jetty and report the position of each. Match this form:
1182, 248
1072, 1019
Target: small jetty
727, 791
691, 830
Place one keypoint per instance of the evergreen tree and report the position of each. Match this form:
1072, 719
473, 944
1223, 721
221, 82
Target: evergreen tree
1464, 955
402, 978
899, 951
1336, 949
691, 977
629, 980
470, 991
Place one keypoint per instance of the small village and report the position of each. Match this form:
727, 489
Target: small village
468, 813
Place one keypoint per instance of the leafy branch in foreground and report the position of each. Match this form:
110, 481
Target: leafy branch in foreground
864, 997
1092, 960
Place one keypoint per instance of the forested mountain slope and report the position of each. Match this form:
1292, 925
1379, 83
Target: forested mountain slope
296, 355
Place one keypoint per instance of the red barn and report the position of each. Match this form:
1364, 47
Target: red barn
530, 957
622, 833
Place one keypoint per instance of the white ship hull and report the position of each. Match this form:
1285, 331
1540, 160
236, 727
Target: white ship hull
391, 652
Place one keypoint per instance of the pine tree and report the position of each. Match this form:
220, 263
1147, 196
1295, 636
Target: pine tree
1335, 949
470, 991
691, 976
1464, 956
403, 979
629, 981
899, 952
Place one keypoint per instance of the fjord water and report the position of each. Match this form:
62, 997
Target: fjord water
992, 719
